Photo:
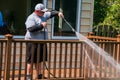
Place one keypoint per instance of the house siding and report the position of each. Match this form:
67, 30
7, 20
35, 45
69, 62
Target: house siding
87, 16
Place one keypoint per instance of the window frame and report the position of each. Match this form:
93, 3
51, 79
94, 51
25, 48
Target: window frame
78, 22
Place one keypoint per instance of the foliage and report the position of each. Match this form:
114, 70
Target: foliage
99, 11
107, 12
113, 14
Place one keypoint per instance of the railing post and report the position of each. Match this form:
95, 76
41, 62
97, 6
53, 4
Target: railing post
90, 34
118, 38
118, 48
8, 37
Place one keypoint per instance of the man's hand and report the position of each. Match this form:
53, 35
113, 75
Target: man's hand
44, 24
60, 14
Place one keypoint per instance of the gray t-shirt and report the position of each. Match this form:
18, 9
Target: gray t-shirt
34, 20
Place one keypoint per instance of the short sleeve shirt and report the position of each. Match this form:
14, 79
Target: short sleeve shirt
34, 20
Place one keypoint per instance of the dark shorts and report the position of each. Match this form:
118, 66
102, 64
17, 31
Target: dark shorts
36, 53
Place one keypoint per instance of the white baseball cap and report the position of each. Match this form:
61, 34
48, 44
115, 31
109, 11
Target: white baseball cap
40, 7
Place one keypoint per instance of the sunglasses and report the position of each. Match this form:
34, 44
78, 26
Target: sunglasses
41, 12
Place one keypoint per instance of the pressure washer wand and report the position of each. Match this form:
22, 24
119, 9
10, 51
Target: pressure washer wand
69, 24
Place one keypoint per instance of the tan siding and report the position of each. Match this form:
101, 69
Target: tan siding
87, 1
87, 15
85, 21
85, 28
86, 6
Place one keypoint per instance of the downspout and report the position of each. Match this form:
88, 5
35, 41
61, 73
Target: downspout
45, 2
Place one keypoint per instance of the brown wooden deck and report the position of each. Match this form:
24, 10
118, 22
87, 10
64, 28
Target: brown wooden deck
67, 59
52, 77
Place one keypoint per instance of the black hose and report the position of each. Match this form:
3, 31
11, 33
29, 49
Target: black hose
45, 63
45, 39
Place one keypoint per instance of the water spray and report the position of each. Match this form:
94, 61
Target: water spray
105, 55
82, 38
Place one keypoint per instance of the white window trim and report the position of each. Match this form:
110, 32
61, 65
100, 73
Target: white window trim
78, 18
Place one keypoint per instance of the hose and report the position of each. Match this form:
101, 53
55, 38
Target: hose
45, 39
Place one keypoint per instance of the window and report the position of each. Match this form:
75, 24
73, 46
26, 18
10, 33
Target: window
71, 10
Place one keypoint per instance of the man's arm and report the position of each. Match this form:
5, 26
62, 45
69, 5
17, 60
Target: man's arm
35, 28
54, 13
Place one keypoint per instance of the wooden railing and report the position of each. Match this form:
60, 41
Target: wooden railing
102, 38
66, 59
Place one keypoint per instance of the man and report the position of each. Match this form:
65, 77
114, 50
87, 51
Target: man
37, 30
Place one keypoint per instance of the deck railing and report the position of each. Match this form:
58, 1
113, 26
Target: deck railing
66, 59
104, 39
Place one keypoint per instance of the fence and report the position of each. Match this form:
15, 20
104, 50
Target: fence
106, 31
101, 38
66, 59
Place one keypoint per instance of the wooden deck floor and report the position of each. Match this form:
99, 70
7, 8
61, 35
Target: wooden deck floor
58, 76
62, 76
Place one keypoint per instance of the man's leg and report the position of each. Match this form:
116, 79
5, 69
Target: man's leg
29, 61
28, 69
28, 72
38, 70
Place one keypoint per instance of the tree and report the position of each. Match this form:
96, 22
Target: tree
100, 8
107, 12
113, 13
